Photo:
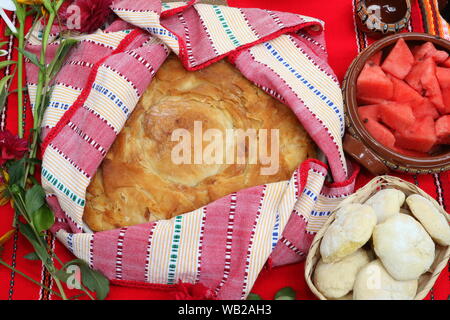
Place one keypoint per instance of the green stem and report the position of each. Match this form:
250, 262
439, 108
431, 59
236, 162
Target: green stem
21, 37
29, 279
60, 287
41, 90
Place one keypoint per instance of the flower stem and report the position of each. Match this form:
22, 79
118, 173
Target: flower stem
29, 279
21, 37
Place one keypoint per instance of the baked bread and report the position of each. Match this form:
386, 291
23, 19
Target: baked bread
140, 181
431, 219
373, 282
336, 280
404, 247
386, 203
350, 230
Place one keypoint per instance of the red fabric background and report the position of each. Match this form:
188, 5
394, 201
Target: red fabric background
342, 47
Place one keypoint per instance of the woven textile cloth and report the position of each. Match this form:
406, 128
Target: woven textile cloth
224, 245
343, 44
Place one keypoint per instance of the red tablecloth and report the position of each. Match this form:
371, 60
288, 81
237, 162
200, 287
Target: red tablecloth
344, 42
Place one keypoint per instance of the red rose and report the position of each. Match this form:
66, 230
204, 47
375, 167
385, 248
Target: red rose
85, 16
11, 147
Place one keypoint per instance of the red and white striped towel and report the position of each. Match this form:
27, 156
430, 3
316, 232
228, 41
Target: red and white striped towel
225, 244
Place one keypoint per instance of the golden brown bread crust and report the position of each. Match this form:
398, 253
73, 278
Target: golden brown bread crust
138, 182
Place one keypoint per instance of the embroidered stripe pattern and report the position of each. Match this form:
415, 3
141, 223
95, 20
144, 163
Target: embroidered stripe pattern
200, 245
119, 253
251, 243
147, 256
176, 239
306, 83
59, 186
229, 242
226, 26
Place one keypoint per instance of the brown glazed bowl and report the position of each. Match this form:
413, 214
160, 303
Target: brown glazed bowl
359, 144
379, 18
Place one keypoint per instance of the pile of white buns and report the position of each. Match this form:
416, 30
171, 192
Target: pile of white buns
402, 247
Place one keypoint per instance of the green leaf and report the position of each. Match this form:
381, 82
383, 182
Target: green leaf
63, 50
41, 251
32, 57
92, 279
32, 256
42, 219
6, 63
253, 296
4, 81
287, 293
285, 298
3, 43
4, 90
16, 172
34, 198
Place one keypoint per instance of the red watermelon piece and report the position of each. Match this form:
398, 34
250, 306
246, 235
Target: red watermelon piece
397, 116
428, 50
370, 112
399, 61
443, 76
373, 84
415, 76
423, 79
404, 93
376, 58
421, 136
446, 63
442, 127
424, 108
363, 101
380, 133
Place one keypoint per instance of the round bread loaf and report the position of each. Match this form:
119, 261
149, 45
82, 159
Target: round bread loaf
351, 229
404, 247
373, 282
430, 217
335, 280
149, 174
386, 203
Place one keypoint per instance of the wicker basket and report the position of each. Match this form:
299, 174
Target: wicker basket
427, 280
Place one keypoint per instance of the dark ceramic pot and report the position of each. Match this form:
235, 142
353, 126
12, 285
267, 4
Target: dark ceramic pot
378, 18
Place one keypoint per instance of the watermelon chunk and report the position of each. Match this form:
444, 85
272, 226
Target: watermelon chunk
425, 108
380, 133
446, 63
370, 112
443, 129
363, 101
423, 79
421, 136
428, 50
399, 61
397, 116
404, 93
373, 84
443, 76
376, 58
